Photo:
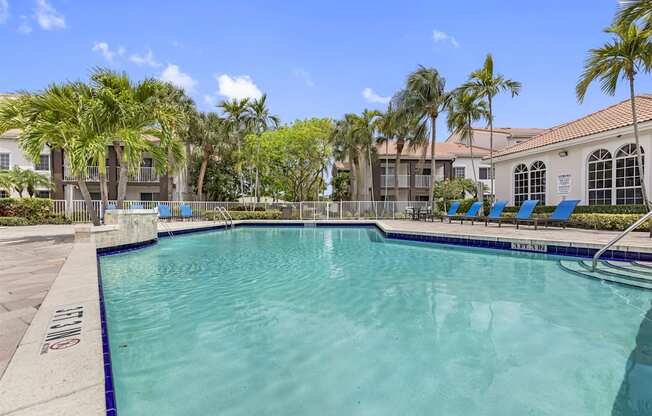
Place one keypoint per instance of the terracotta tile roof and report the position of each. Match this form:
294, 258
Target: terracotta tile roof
610, 118
443, 151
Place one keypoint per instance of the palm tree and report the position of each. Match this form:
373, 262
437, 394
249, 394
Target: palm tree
237, 114
6, 184
424, 98
485, 83
17, 178
365, 128
465, 109
33, 180
634, 10
260, 120
63, 117
207, 135
347, 148
628, 53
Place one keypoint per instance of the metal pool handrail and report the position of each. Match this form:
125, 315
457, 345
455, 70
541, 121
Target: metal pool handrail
618, 238
228, 219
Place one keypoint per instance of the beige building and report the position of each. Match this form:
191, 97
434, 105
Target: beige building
591, 159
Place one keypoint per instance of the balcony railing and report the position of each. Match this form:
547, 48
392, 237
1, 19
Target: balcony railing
92, 174
387, 181
143, 174
422, 181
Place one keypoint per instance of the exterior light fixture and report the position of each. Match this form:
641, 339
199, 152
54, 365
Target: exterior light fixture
563, 153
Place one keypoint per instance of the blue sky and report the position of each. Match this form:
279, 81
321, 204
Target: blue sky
314, 58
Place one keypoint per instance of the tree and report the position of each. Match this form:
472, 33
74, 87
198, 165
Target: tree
6, 184
465, 109
34, 180
485, 83
364, 129
237, 114
207, 133
340, 185
17, 179
424, 98
456, 188
628, 53
63, 117
293, 158
346, 148
260, 120
634, 10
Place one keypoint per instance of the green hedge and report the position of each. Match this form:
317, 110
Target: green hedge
590, 209
248, 215
599, 221
28, 211
13, 221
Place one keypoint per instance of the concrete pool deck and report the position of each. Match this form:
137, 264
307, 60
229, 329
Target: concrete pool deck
55, 372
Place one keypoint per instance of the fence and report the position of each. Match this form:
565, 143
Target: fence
76, 210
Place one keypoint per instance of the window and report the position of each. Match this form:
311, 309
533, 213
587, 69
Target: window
4, 161
422, 198
459, 172
43, 194
600, 177
149, 196
521, 189
484, 173
628, 181
43, 163
146, 163
95, 196
538, 181
4, 194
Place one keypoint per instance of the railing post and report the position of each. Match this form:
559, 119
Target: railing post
300, 210
341, 210
358, 209
393, 210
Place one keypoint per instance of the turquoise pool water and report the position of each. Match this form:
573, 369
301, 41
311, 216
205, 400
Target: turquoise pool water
340, 321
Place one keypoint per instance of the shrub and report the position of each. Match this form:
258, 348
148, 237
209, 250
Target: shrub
590, 209
246, 208
30, 208
248, 215
13, 221
599, 221
51, 219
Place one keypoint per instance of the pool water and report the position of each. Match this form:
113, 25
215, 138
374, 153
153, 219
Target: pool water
341, 321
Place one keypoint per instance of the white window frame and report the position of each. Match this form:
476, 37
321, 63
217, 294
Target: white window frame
455, 168
8, 158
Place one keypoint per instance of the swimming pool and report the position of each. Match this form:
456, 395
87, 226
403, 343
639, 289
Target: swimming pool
341, 321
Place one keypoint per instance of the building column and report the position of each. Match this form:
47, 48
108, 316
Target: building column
411, 171
56, 168
163, 188
113, 174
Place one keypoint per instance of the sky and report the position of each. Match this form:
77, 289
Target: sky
315, 59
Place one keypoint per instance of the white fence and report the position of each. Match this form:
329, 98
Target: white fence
309, 210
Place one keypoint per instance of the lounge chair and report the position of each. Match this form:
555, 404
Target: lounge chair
494, 215
472, 212
560, 215
524, 213
110, 206
185, 210
164, 212
452, 211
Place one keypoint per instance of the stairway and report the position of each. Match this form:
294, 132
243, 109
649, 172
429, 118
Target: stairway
635, 273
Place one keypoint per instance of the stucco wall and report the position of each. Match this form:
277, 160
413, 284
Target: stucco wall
574, 164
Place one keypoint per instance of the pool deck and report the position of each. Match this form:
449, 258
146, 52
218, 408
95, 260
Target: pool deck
47, 279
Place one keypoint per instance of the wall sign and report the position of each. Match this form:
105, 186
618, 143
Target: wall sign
563, 184
540, 248
64, 330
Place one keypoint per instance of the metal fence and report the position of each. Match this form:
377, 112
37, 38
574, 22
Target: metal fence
76, 210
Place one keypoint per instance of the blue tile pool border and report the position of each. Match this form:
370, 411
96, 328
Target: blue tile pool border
109, 391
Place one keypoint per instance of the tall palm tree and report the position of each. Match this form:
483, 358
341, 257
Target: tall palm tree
485, 83
424, 98
346, 148
237, 114
365, 129
465, 109
64, 117
207, 135
17, 178
6, 183
34, 180
634, 10
628, 53
260, 120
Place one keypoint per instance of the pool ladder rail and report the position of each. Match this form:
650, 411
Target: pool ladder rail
228, 219
635, 273
619, 237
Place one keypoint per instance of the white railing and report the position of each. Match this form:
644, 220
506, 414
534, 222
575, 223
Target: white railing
422, 181
76, 210
387, 181
143, 174
92, 174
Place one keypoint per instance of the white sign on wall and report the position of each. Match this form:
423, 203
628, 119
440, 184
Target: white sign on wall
563, 184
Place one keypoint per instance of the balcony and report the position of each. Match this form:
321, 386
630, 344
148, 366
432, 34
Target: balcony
422, 181
92, 174
387, 181
143, 174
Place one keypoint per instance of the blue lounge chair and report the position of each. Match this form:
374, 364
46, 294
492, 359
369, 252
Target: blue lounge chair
495, 213
473, 212
164, 211
185, 210
560, 215
110, 206
452, 211
136, 206
523, 214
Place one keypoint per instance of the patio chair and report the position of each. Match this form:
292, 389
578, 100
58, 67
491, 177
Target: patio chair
494, 214
471, 213
164, 212
524, 213
185, 211
452, 211
110, 206
560, 215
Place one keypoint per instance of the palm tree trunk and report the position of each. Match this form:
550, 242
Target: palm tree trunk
88, 201
170, 172
639, 160
104, 188
200, 178
433, 166
123, 176
371, 173
491, 145
397, 166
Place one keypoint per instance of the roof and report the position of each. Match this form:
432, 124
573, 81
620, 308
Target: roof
444, 150
610, 118
513, 132
10, 134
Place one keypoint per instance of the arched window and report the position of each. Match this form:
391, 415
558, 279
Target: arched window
538, 181
521, 189
628, 182
600, 177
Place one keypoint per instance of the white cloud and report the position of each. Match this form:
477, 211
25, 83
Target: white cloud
4, 11
24, 28
238, 87
210, 100
173, 75
372, 97
122, 50
304, 75
146, 59
48, 17
439, 36
104, 49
